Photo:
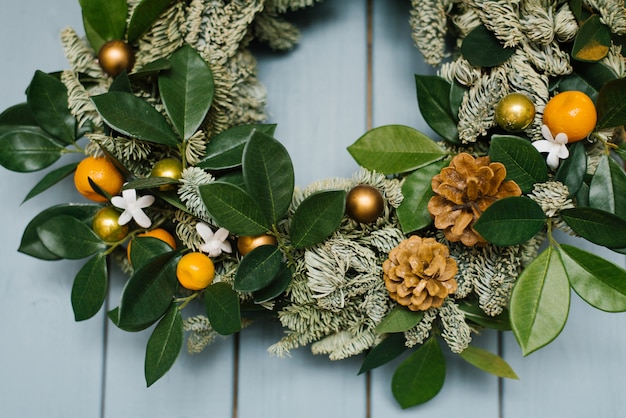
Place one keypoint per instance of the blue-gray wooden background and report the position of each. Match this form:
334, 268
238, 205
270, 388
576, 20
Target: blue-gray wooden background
51, 366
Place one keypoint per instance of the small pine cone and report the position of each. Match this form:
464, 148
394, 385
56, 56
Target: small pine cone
419, 273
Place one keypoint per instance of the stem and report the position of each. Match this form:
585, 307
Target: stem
286, 248
185, 301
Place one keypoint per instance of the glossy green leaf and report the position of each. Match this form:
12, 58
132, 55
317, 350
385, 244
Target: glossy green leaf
317, 217
233, 177
607, 190
420, 377
144, 249
524, 164
113, 315
598, 226
69, 238
134, 117
488, 362
149, 183
474, 313
121, 83
26, 150
572, 170
222, 308
164, 345
457, 93
17, 115
47, 101
417, 190
233, 208
186, 90
388, 349
433, 99
611, 104
107, 18
395, 149
144, 16
258, 268
90, 288
225, 150
92, 36
540, 302
399, 319
151, 68
149, 292
50, 180
599, 282
482, 49
276, 288
593, 40
511, 221
268, 174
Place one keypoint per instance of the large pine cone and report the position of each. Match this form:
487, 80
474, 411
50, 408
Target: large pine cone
419, 273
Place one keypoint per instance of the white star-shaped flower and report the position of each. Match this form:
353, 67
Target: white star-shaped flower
214, 242
133, 207
554, 146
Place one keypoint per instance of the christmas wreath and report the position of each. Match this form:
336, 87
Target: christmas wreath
434, 239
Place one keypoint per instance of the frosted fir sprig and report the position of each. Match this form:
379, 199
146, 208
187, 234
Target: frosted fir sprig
276, 31
419, 333
537, 21
456, 333
163, 38
189, 191
201, 333
283, 6
79, 102
81, 57
428, 20
612, 13
502, 18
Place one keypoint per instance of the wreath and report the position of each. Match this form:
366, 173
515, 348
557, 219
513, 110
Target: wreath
433, 240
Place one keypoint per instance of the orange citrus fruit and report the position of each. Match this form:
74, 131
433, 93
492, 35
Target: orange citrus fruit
103, 173
158, 233
105, 225
195, 271
572, 113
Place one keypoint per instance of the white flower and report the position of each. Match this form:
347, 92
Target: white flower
555, 147
214, 242
133, 207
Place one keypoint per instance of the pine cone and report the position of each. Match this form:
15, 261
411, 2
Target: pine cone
419, 273
463, 191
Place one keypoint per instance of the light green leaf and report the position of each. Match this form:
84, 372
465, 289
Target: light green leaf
592, 41
25, 150
317, 217
598, 226
433, 99
399, 319
90, 288
417, 190
511, 221
222, 308
488, 362
524, 164
225, 150
50, 180
258, 268
388, 349
482, 49
144, 15
106, 18
69, 238
164, 345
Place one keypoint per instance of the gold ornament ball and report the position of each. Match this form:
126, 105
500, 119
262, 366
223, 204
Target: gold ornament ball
105, 225
170, 168
245, 244
364, 204
515, 112
116, 56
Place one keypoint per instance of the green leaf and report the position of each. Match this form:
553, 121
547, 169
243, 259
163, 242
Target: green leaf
524, 164
474, 313
225, 150
598, 226
164, 345
92, 36
587, 77
149, 183
106, 18
121, 83
258, 268
187, 90
393, 149
573, 169
268, 174
482, 49
488, 362
149, 292
607, 190
151, 68
90, 288
540, 302
593, 40
144, 16
26, 150
399, 319
144, 249
69, 238
17, 115
317, 217
511, 221
417, 190
457, 93
388, 349
433, 99
420, 377
600, 283
134, 117
50, 180
611, 104
47, 101
222, 308
276, 288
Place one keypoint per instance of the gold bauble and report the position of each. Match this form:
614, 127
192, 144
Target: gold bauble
245, 244
170, 168
105, 225
364, 203
515, 112
116, 56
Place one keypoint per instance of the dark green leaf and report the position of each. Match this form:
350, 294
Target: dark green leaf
393, 149
144, 249
540, 302
106, 18
233, 177
474, 313
611, 104
258, 268
171, 197
113, 315
69, 238
433, 99
600, 283
457, 92
399, 319
588, 77
149, 183
164, 345
222, 308
482, 49
90, 288
524, 164
488, 362
598, 226
121, 83
317, 217
186, 90
233, 208
572, 170
607, 190
388, 349
144, 16
413, 211
511, 221
93, 37
420, 377
276, 288
17, 115
26, 150
151, 68
134, 117
268, 174
593, 40
50, 180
